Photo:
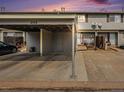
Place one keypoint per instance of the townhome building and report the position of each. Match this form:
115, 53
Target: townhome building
61, 32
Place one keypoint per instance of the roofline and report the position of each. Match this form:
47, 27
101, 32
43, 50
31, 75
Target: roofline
61, 12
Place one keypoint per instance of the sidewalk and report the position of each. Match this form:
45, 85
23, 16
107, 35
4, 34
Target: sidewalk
80, 68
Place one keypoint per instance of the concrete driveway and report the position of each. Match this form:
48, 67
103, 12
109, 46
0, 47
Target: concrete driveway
27, 66
90, 65
31, 66
104, 65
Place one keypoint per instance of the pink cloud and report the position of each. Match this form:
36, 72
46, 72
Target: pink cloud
67, 4
73, 5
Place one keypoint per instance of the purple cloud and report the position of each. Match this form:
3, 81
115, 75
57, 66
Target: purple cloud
73, 5
100, 1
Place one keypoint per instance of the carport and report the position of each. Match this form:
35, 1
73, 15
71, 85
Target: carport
46, 39
49, 33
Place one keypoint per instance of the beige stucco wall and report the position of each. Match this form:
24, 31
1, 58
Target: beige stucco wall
36, 16
56, 42
121, 38
46, 42
35, 21
62, 41
105, 26
97, 18
33, 40
102, 20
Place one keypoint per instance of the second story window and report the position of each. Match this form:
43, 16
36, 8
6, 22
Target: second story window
115, 18
81, 18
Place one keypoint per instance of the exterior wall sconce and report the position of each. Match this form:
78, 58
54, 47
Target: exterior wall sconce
94, 26
100, 26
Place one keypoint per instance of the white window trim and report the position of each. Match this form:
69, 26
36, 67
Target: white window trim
117, 18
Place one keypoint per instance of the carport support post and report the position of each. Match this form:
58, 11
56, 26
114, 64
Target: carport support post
41, 42
73, 52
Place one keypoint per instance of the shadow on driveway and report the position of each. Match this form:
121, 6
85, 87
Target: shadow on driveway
34, 57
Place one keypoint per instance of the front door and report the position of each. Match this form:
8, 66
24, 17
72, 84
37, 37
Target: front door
113, 39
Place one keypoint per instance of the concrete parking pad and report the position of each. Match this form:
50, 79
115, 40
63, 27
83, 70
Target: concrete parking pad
32, 66
90, 65
104, 65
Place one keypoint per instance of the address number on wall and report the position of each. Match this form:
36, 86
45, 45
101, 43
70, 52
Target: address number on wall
33, 22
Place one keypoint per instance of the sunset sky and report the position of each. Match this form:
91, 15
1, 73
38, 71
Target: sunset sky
70, 5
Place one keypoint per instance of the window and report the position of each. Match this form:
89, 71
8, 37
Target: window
81, 18
13, 38
79, 38
115, 18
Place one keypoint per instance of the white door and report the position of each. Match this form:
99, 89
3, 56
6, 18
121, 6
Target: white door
113, 38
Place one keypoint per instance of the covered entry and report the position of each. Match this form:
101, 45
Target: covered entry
88, 39
110, 37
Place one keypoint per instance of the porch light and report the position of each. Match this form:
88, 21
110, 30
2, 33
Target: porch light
100, 26
94, 26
